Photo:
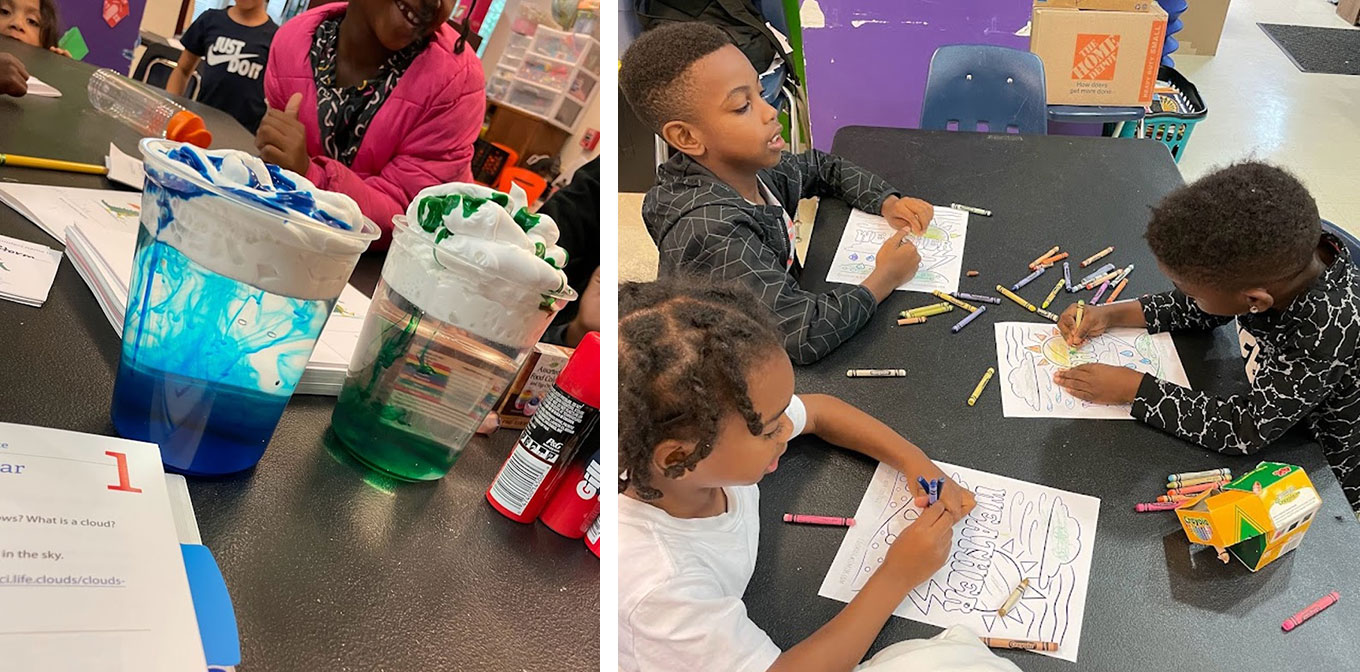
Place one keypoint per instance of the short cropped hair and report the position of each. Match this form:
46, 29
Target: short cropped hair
654, 75
1243, 225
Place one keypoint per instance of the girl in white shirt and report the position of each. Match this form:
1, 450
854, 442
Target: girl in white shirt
707, 409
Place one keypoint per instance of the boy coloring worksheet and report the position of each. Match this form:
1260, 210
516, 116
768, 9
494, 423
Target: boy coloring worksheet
941, 248
91, 572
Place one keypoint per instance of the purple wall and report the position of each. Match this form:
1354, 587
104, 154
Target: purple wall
109, 47
867, 64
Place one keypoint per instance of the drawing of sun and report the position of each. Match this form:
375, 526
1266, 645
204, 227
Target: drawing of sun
1056, 353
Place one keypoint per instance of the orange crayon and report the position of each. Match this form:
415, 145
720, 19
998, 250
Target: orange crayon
1035, 264
1117, 289
1026, 644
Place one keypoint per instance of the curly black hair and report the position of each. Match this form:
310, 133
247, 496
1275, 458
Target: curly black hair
1243, 225
653, 74
686, 346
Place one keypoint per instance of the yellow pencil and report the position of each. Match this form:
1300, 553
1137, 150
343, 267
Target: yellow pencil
1053, 294
51, 164
1016, 298
962, 304
977, 391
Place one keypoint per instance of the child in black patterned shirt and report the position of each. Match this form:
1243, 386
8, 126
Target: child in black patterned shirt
724, 203
1245, 242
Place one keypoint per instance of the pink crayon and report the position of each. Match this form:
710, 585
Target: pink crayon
1157, 506
836, 521
1297, 619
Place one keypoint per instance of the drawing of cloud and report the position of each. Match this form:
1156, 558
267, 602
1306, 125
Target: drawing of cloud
1062, 539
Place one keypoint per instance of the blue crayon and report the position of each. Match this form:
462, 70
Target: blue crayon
977, 297
1099, 272
967, 318
934, 490
1028, 279
925, 485
939, 489
1067, 275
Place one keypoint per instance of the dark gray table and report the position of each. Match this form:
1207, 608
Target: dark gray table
329, 566
1151, 603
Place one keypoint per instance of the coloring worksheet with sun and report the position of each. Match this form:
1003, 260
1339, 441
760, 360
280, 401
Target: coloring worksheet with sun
1027, 355
941, 248
1017, 531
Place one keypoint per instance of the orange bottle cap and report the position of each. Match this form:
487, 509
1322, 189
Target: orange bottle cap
188, 127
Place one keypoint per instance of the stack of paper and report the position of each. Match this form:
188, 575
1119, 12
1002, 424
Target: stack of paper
99, 227
26, 271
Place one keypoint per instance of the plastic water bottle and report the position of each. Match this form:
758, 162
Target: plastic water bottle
148, 113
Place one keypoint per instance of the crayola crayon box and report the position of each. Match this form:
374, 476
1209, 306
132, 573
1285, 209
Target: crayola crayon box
1257, 517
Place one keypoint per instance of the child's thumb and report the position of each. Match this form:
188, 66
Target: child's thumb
294, 103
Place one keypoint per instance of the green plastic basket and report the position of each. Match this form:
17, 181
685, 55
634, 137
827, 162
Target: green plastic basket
1169, 128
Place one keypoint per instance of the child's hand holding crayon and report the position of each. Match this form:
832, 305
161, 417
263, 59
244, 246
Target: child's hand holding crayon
282, 139
13, 76
1094, 321
1100, 383
895, 263
958, 501
922, 548
912, 214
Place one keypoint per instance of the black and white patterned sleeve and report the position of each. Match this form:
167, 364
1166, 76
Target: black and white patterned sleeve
813, 324
1287, 386
1174, 311
830, 175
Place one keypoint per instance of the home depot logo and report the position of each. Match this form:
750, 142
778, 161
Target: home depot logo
1095, 57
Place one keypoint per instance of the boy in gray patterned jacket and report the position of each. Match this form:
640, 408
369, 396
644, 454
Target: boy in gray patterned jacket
723, 204
1245, 242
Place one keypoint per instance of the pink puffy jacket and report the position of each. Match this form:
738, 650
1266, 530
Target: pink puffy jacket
421, 136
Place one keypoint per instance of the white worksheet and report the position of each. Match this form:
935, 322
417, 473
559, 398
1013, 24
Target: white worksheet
26, 271
1028, 354
91, 572
941, 248
37, 87
124, 168
1018, 530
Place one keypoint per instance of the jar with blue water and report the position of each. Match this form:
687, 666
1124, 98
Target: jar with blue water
237, 267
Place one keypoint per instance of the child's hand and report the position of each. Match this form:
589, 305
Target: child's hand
958, 501
282, 139
13, 76
1094, 321
59, 50
1100, 383
897, 259
912, 214
922, 548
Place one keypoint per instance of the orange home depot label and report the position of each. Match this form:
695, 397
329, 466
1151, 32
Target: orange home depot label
1156, 37
1095, 57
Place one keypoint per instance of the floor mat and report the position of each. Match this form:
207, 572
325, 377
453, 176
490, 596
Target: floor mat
1333, 51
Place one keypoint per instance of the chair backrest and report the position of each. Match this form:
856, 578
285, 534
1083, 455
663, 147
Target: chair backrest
1351, 242
977, 87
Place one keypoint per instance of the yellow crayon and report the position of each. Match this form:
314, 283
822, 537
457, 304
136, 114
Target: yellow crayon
962, 304
1015, 597
1016, 298
977, 391
1053, 294
1044, 256
931, 310
1097, 256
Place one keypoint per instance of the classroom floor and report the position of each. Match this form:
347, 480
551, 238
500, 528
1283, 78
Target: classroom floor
1260, 106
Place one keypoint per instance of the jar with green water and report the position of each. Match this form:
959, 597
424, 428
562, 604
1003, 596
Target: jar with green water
471, 281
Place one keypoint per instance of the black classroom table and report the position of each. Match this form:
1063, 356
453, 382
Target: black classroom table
1151, 604
330, 567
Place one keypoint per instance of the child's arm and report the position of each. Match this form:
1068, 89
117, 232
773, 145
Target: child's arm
1174, 311
179, 78
830, 175
844, 425
13, 76
195, 41
1169, 311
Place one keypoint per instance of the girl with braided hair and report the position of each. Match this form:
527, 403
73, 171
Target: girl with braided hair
707, 409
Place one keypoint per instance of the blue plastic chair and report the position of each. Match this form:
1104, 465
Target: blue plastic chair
978, 84
1351, 242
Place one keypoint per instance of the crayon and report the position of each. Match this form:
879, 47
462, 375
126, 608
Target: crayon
962, 304
1047, 315
1297, 619
1097, 273
1123, 275
1053, 260
875, 373
1096, 257
939, 488
1027, 279
1195, 489
1196, 480
1081, 308
1174, 498
910, 320
972, 274
1157, 506
977, 391
1016, 298
1052, 294
1222, 472
980, 298
967, 319
1035, 264
934, 490
1067, 275
835, 521
925, 485
1100, 292
969, 208
927, 311
1104, 278
1028, 645
1013, 598
1117, 289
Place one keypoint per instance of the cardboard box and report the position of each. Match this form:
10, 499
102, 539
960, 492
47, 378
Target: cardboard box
1256, 525
1203, 27
1108, 5
1098, 57
1349, 10
534, 381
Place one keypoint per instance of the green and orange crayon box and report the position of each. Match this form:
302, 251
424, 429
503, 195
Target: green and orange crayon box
1257, 517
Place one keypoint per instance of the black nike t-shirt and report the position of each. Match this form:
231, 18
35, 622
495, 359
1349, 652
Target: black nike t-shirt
234, 57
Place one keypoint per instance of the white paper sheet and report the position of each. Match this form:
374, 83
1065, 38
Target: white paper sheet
1018, 530
91, 574
125, 169
1027, 355
37, 87
941, 249
55, 208
26, 271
